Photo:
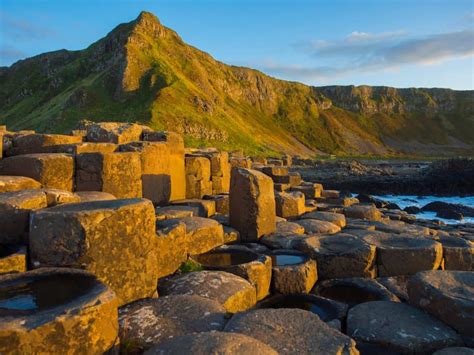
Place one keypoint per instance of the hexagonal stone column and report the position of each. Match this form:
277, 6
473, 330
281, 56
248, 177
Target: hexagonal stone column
257, 269
233, 292
17, 183
458, 253
155, 169
341, 255
15, 209
67, 311
115, 240
172, 246
336, 218
398, 255
198, 177
12, 259
148, 322
354, 290
252, 204
175, 144
113, 132
447, 295
51, 170
370, 213
39, 143
290, 204
292, 272
115, 173
202, 234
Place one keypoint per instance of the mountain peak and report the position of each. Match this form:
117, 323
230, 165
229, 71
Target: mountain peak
147, 18
148, 23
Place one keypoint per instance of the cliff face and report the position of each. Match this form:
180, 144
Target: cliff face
144, 72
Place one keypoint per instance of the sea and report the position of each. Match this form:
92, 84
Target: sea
420, 201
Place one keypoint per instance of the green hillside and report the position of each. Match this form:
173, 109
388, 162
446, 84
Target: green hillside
143, 72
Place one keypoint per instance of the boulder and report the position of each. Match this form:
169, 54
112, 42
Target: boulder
50, 170
149, 322
315, 226
155, 169
172, 247
233, 292
289, 204
115, 240
113, 132
202, 234
366, 212
12, 259
175, 144
252, 204
399, 327
340, 256
291, 331
17, 183
115, 173
399, 255
447, 295
82, 314
335, 218
15, 209
354, 290
212, 343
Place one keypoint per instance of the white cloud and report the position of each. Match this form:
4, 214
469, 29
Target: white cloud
363, 52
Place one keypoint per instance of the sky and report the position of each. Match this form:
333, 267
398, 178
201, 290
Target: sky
400, 43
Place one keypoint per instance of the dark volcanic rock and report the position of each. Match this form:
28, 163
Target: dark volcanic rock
448, 295
150, 321
291, 331
399, 328
212, 343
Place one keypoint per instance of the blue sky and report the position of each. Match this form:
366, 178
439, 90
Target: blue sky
401, 43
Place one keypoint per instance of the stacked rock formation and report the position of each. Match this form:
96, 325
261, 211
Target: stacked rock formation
120, 239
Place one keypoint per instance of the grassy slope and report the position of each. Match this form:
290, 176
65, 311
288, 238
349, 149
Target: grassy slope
151, 76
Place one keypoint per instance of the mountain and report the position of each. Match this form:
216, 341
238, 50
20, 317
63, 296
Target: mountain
144, 72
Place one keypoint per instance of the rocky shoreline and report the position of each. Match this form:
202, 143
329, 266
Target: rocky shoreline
382, 177
119, 239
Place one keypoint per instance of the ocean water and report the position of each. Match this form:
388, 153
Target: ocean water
420, 201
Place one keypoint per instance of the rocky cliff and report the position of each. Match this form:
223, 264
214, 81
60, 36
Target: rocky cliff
143, 72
